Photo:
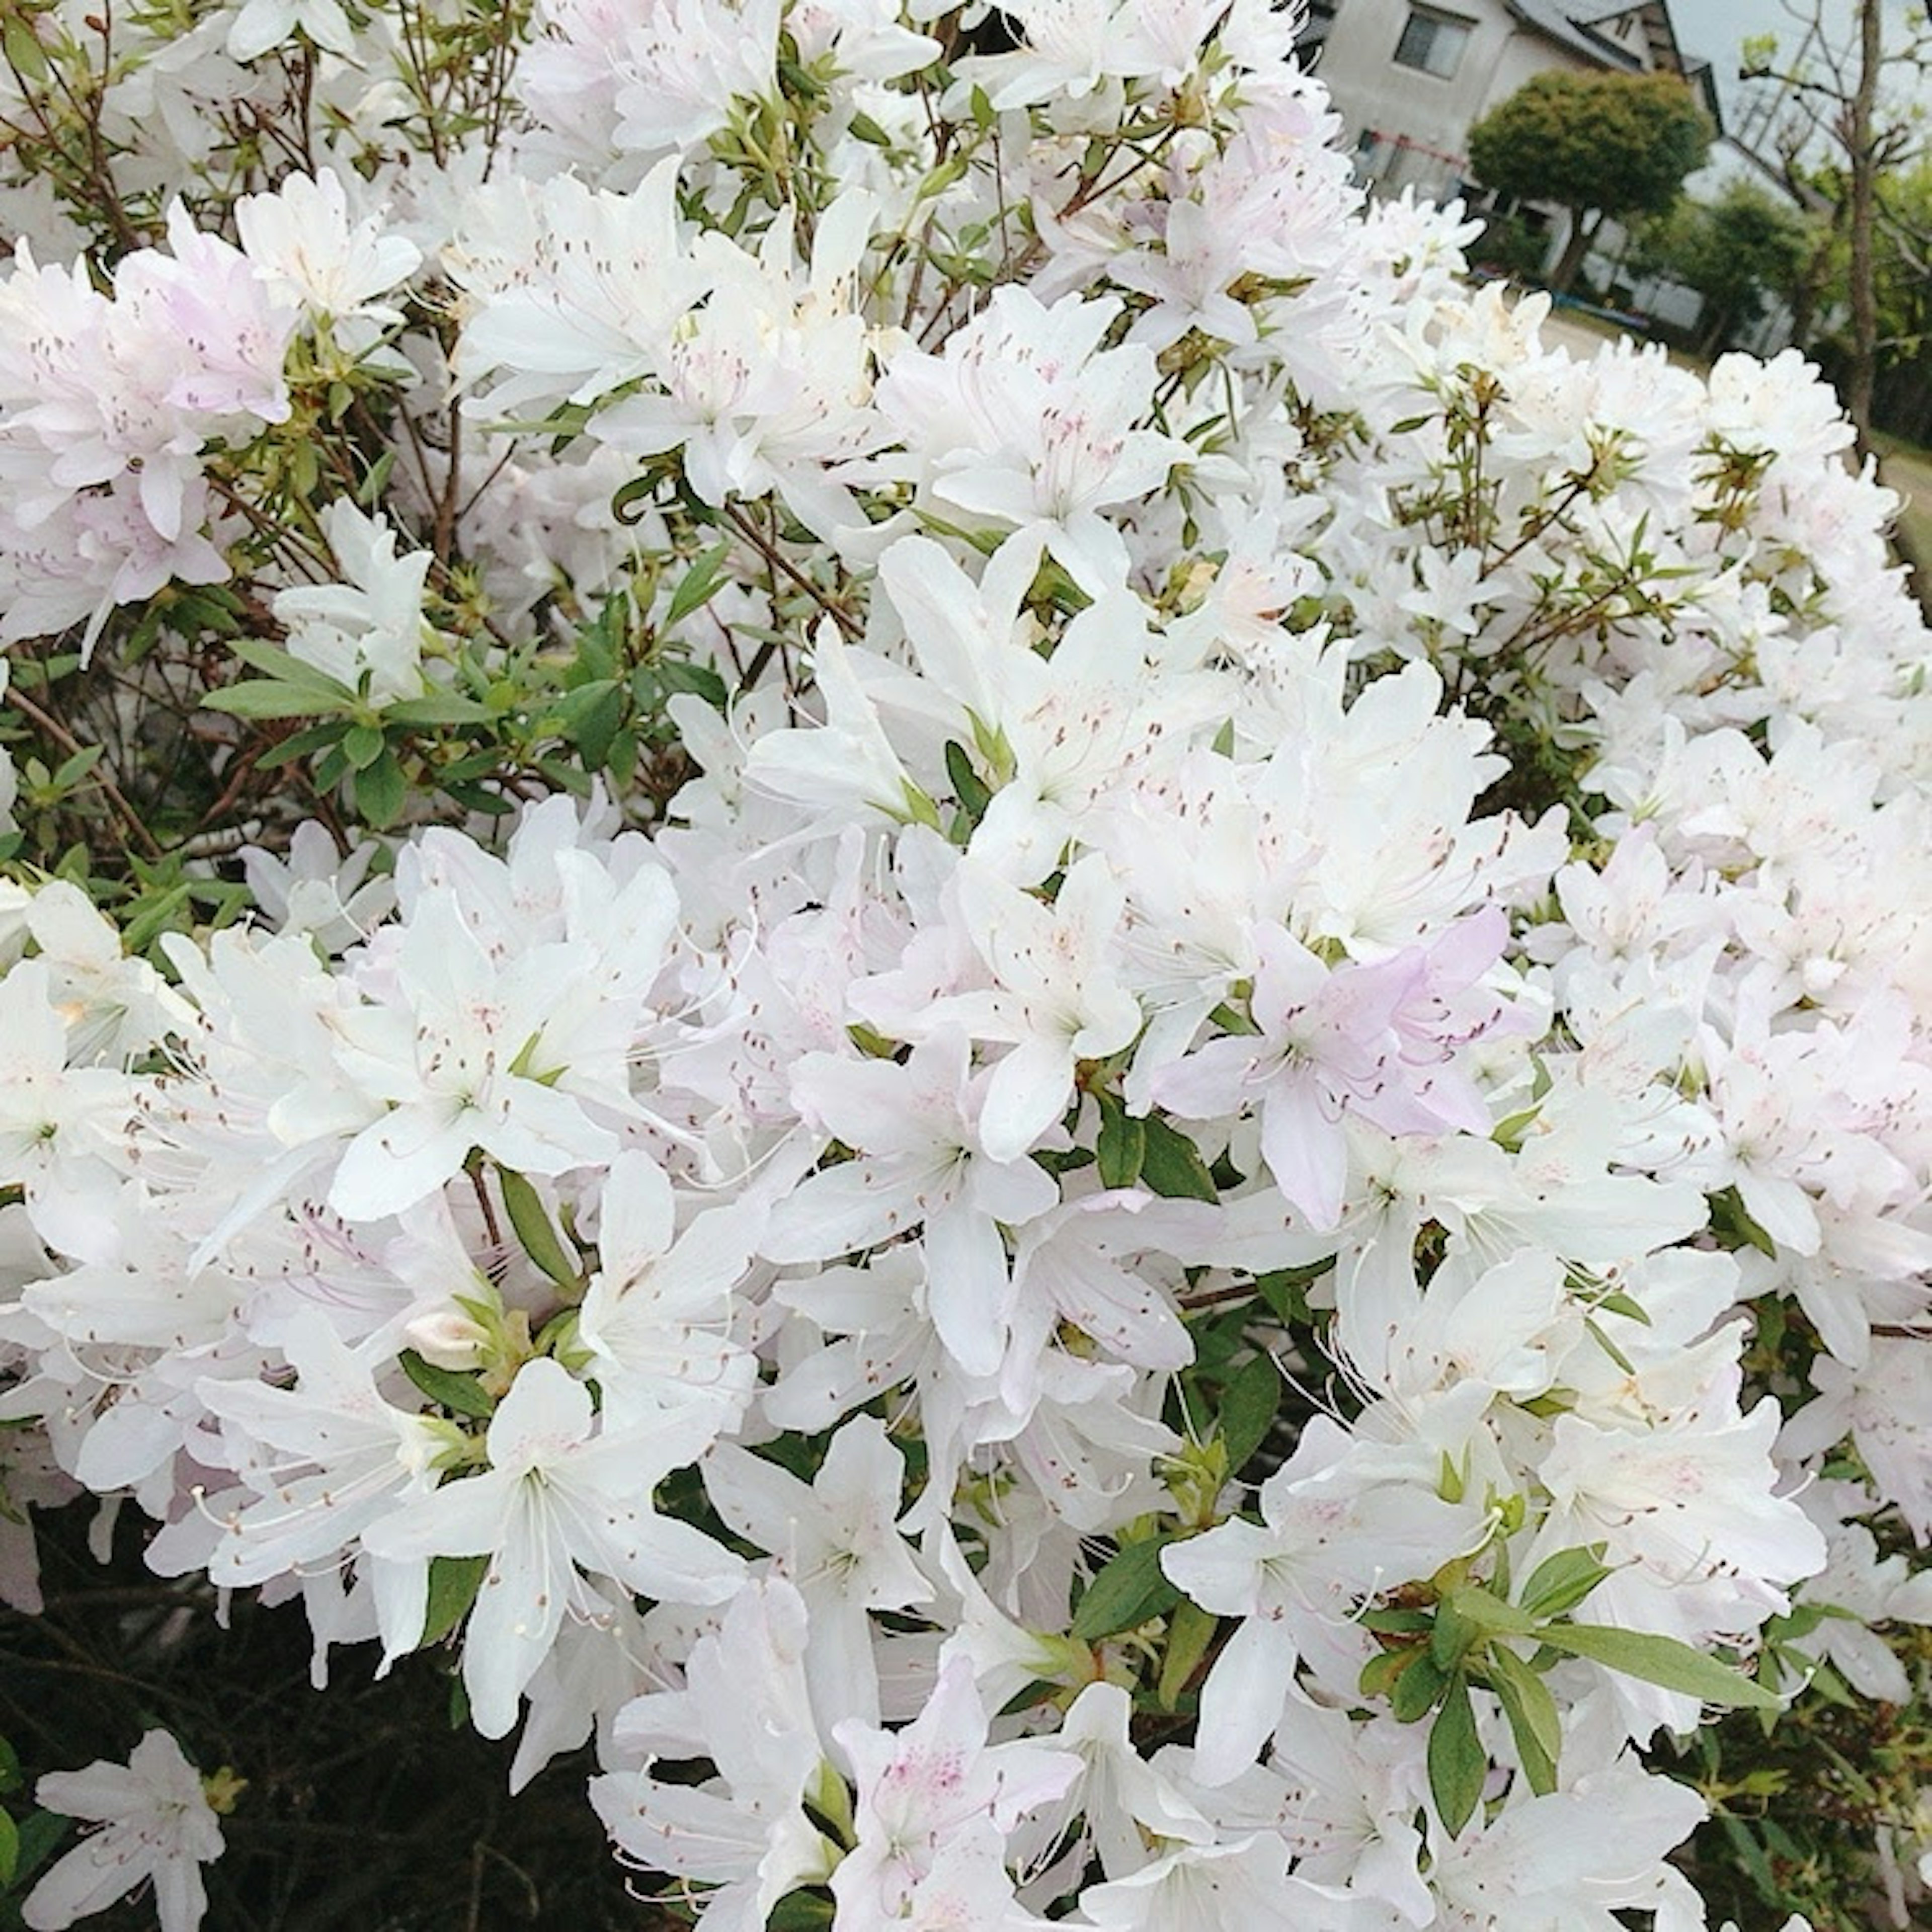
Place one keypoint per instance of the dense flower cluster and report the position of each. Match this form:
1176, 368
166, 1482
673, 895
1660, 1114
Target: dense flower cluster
1234, 1203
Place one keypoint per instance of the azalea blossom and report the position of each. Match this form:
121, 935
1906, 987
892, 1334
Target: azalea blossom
153, 1823
975, 979
557, 1496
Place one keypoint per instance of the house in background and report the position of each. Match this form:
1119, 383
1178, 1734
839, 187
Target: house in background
1410, 78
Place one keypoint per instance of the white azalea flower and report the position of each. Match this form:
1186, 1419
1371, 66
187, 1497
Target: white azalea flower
557, 1494
155, 1824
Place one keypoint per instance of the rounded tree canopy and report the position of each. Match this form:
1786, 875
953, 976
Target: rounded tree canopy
1621, 143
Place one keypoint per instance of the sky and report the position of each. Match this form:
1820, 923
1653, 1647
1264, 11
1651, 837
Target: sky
1714, 28
1717, 28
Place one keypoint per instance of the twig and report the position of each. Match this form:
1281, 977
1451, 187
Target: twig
68, 742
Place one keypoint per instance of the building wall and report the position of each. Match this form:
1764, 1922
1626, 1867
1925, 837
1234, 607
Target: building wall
1408, 129
1433, 115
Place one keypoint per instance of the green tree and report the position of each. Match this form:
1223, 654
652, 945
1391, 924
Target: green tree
1736, 252
1902, 269
1599, 144
1840, 135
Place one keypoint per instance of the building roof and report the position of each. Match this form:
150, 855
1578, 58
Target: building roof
1575, 24
1565, 24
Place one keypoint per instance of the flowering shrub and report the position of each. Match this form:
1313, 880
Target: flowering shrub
878, 918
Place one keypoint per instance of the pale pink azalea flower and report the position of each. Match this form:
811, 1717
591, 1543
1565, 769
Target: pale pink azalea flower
1375, 1039
1884, 1405
919, 1787
261, 25
573, 292
683, 63
1870, 1589
1126, 1806
319, 1462
1345, 1796
657, 1317
1546, 1865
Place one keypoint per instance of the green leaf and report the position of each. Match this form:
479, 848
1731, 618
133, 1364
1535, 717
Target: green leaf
1731, 1221
1662, 1660
1459, 1767
1751, 1854
968, 788
463, 1394
698, 585
474, 798
286, 668
1392, 1622
1171, 1164
597, 725
439, 707
802, 1911
1488, 1612
10, 1848
1561, 1582
264, 697
25, 54
454, 1582
1379, 1675
380, 790
1618, 1303
301, 744
70, 772
1286, 1290
532, 1224
362, 744
675, 674
1418, 1689
632, 503
1451, 1635
156, 916
1532, 1712
40, 1837
1248, 1405
577, 704
11, 1779
1190, 1630
1121, 1146
1594, 1329
1130, 1588
369, 491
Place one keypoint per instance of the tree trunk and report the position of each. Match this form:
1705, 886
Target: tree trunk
1863, 154
1581, 234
